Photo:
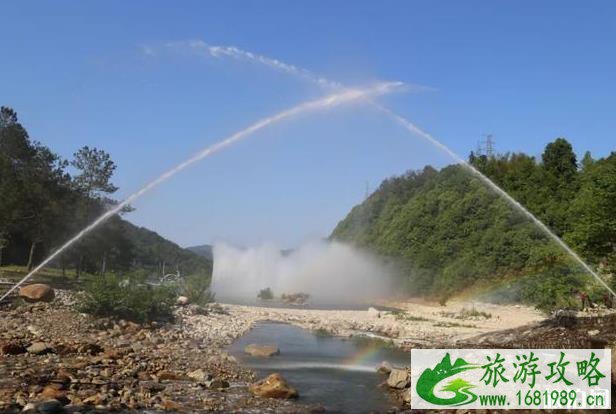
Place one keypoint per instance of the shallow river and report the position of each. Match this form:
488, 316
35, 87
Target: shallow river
337, 373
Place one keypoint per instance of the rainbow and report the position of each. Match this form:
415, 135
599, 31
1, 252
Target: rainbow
364, 357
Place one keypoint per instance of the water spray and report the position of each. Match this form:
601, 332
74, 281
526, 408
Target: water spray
231, 51
336, 99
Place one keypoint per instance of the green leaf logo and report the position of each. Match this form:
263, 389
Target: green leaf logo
430, 378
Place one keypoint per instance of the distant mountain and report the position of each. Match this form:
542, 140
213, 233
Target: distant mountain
203, 250
151, 250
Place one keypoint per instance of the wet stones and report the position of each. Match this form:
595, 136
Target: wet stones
273, 386
265, 351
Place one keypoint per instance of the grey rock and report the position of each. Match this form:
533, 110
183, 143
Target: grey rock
51, 407
257, 350
384, 368
399, 378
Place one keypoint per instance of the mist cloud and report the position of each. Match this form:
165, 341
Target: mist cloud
330, 272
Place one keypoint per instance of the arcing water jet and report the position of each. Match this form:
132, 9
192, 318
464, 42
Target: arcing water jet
333, 100
411, 128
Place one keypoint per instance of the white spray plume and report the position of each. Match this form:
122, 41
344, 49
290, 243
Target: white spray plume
345, 96
330, 272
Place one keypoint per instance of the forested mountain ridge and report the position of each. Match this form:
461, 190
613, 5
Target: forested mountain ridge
448, 231
203, 250
45, 200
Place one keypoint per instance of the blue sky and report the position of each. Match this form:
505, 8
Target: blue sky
77, 74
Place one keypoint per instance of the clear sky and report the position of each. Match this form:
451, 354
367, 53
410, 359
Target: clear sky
99, 73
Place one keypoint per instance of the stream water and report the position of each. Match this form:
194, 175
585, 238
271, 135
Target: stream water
336, 373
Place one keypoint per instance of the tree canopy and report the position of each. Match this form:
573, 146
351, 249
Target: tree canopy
449, 232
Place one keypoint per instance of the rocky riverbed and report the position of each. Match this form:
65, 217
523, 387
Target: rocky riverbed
50, 352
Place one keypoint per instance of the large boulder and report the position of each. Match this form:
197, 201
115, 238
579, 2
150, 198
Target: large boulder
273, 386
182, 301
373, 312
266, 351
37, 292
399, 378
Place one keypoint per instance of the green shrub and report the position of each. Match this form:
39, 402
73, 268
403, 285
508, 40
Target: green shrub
266, 294
473, 313
553, 288
127, 298
196, 288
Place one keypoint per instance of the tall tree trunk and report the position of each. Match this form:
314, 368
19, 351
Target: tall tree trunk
31, 255
104, 264
79, 263
1, 249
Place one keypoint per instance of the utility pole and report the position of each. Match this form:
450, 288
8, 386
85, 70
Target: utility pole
489, 146
479, 149
486, 147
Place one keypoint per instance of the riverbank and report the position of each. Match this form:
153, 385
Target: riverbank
50, 351
413, 324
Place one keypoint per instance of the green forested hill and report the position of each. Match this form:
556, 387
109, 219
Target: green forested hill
448, 232
152, 251
203, 250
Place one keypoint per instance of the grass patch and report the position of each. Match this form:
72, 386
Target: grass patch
466, 313
474, 313
196, 288
453, 325
404, 316
322, 332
